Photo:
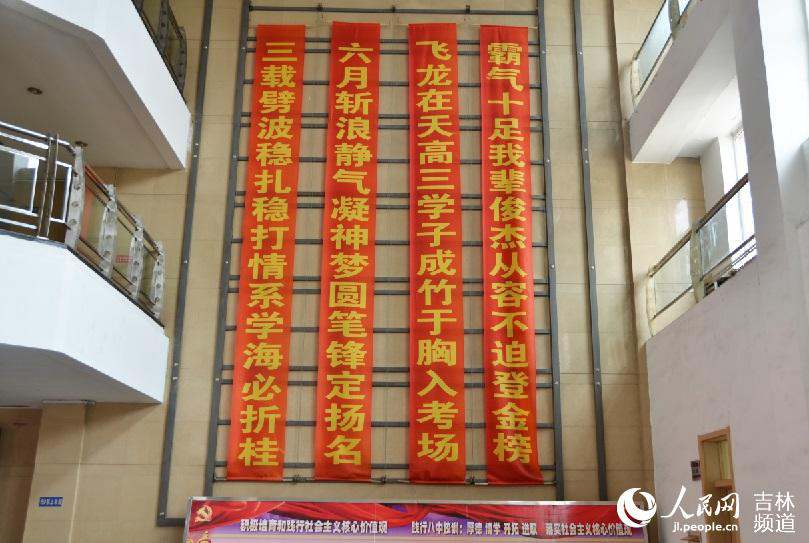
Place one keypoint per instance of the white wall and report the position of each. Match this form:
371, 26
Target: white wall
713, 368
740, 357
65, 333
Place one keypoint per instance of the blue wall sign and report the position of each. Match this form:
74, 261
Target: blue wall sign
50, 501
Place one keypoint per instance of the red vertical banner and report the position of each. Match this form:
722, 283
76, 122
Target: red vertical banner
437, 425
345, 354
512, 455
263, 319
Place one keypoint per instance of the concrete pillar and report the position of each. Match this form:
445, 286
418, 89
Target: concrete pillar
56, 473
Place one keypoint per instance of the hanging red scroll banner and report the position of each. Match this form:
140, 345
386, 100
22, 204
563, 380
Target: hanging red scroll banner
437, 419
345, 357
263, 318
512, 455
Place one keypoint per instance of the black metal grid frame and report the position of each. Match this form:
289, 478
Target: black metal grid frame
220, 368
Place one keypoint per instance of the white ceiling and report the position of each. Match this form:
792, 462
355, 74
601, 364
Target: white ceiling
86, 95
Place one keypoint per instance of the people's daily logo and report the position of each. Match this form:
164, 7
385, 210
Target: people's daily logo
632, 515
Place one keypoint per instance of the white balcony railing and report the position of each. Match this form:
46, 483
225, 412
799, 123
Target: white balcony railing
657, 41
717, 245
47, 192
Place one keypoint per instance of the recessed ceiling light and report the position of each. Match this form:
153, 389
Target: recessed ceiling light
34, 90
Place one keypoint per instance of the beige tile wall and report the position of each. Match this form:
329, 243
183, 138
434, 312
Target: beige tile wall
662, 200
118, 481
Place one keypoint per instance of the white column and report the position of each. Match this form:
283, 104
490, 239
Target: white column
772, 59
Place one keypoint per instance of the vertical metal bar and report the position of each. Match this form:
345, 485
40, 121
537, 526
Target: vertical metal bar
695, 257
592, 288
546, 146
224, 277
108, 231
75, 206
135, 270
179, 317
46, 202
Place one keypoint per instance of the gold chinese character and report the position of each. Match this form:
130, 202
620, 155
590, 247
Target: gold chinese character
352, 154
437, 230
346, 385
273, 101
434, 100
353, 128
510, 322
440, 50
436, 351
354, 74
434, 152
349, 323
505, 74
442, 288
347, 294
433, 124
442, 414
278, 153
435, 205
348, 264
506, 154
355, 50
508, 294
269, 266
508, 236
254, 420
354, 236
511, 417
262, 295
440, 449
260, 389
263, 324
275, 128
512, 448
342, 450
506, 103
278, 75
263, 452
264, 179
510, 355
507, 181
437, 263
504, 53
262, 355
350, 208
436, 381
350, 354
507, 209
352, 102
345, 418
510, 384
435, 76
274, 209
506, 269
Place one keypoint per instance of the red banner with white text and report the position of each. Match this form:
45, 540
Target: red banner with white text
437, 432
345, 358
263, 321
512, 455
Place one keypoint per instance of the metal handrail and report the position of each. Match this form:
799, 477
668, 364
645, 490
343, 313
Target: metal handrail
698, 276
676, 16
51, 193
159, 31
